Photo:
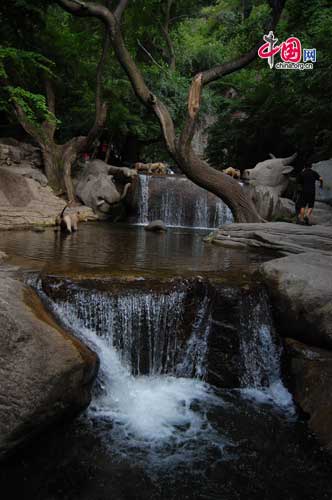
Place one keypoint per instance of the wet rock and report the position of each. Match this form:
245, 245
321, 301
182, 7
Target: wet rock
301, 292
156, 225
45, 374
310, 379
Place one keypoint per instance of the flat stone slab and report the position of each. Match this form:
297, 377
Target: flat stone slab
282, 237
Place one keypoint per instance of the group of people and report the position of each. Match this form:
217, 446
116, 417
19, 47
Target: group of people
306, 193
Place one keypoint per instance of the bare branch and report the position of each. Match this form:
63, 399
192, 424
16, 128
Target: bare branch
221, 70
120, 9
149, 54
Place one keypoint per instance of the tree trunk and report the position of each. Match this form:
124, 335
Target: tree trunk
180, 148
58, 160
222, 185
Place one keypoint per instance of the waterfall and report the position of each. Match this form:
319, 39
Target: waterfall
261, 379
154, 348
179, 203
145, 410
146, 328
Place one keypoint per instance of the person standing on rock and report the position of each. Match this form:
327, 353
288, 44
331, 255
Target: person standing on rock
307, 179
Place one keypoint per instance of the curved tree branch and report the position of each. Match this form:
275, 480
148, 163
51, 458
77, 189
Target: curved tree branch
181, 150
120, 9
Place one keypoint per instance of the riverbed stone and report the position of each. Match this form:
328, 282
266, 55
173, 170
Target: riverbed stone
156, 225
301, 292
310, 379
45, 374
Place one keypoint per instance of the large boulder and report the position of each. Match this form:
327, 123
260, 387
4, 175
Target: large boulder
309, 372
45, 374
301, 291
25, 203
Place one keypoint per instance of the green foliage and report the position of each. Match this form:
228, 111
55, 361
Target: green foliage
272, 111
282, 111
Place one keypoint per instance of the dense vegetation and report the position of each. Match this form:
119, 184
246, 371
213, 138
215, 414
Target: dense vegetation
270, 110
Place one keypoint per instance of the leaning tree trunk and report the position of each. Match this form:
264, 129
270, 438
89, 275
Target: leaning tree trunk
180, 147
222, 185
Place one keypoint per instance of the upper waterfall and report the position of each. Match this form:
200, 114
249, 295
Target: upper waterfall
179, 202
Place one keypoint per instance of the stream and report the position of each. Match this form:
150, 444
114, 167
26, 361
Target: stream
190, 401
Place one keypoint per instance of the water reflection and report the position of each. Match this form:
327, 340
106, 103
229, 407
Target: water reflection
128, 249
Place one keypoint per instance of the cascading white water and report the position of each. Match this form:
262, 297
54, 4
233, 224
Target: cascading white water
144, 328
146, 411
179, 203
261, 356
139, 333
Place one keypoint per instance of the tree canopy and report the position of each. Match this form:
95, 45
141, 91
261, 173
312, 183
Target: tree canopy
267, 110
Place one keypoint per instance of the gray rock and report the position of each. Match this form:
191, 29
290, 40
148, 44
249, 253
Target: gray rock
282, 237
301, 292
45, 374
13, 152
156, 225
25, 203
27, 171
310, 380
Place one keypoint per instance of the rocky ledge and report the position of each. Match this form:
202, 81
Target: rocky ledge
45, 373
300, 287
282, 237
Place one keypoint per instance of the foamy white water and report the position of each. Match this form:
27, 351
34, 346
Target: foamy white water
165, 419
148, 411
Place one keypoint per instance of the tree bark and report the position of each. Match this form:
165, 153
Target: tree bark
180, 148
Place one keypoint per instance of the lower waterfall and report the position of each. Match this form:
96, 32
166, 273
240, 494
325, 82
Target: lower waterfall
150, 389
179, 202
